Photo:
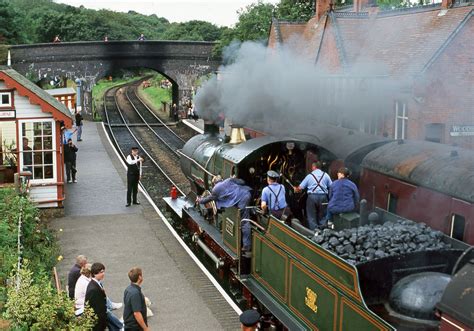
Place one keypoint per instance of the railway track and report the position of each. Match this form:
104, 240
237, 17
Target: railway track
159, 171
126, 131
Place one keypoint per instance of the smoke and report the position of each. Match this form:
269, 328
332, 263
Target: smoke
274, 88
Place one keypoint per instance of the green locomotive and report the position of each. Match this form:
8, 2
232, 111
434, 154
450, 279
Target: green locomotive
305, 285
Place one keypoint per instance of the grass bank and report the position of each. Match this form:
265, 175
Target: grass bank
99, 89
154, 95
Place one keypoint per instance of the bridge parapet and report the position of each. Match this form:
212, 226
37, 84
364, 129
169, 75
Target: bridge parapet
181, 61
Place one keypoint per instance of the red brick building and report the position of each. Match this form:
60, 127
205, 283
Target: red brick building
429, 48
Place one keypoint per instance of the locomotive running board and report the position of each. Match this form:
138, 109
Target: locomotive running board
272, 305
182, 208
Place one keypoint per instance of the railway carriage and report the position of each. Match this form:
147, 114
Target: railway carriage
304, 284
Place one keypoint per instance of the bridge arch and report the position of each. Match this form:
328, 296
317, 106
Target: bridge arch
180, 61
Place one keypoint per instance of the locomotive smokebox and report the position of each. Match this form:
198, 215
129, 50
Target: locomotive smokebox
416, 296
211, 128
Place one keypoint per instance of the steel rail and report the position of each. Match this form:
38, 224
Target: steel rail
159, 119
136, 140
173, 149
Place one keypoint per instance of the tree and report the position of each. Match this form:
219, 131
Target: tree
254, 21
295, 10
10, 20
193, 30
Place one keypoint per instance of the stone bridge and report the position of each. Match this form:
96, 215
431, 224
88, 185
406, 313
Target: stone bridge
182, 62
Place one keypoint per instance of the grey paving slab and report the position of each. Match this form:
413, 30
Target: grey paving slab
98, 224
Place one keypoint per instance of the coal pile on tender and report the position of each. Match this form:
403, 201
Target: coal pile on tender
370, 242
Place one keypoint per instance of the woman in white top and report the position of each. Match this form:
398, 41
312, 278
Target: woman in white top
81, 287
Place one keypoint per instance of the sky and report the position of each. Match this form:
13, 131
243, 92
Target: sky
219, 12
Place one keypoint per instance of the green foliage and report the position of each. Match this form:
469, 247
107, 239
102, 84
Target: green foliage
34, 304
39, 246
154, 94
10, 18
193, 30
295, 10
40, 21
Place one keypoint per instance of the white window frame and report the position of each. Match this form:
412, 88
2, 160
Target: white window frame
53, 150
10, 99
401, 117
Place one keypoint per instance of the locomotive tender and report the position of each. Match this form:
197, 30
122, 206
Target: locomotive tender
302, 284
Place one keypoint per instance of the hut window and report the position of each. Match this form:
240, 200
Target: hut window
401, 119
5, 99
458, 223
37, 151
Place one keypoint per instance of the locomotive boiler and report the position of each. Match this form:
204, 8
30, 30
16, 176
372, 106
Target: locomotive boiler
317, 281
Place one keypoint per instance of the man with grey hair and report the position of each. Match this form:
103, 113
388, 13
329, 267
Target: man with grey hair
75, 273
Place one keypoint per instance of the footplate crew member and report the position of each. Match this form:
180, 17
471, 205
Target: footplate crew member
229, 193
317, 183
343, 194
134, 172
273, 196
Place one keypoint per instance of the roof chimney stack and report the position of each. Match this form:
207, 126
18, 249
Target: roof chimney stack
446, 4
359, 5
322, 7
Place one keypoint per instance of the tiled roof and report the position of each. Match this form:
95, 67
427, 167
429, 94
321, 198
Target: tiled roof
42, 94
61, 91
398, 43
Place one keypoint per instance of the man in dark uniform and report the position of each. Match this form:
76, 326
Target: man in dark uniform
343, 194
70, 151
134, 311
134, 172
249, 320
95, 296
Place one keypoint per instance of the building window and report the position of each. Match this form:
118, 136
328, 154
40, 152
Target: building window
8, 151
5, 99
458, 224
392, 203
401, 119
434, 132
37, 152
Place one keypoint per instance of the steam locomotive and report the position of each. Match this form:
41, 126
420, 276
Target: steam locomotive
313, 281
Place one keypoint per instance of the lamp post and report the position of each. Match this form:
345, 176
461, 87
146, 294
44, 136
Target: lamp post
78, 94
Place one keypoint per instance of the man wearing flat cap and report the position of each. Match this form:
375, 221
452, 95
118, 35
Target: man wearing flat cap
249, 320
274, 196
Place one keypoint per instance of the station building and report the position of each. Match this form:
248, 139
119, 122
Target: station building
65, 95
30, 137
428, 48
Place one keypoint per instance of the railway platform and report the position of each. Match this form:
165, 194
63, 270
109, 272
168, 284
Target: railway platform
96, 223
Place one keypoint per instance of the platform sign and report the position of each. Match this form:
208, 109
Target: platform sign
7, 113
462, 130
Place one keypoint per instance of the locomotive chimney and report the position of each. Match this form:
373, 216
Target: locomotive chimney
237, 134
211, 128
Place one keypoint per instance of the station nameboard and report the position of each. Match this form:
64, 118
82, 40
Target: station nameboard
462, 130
7, 114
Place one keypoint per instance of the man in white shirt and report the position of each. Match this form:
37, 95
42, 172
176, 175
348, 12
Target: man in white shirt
134, 173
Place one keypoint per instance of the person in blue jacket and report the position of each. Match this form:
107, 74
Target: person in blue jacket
232, 192
343, 194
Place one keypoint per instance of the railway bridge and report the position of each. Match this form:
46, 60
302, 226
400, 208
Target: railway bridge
180, 61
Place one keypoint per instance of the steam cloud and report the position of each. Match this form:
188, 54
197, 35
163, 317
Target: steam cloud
276, 88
